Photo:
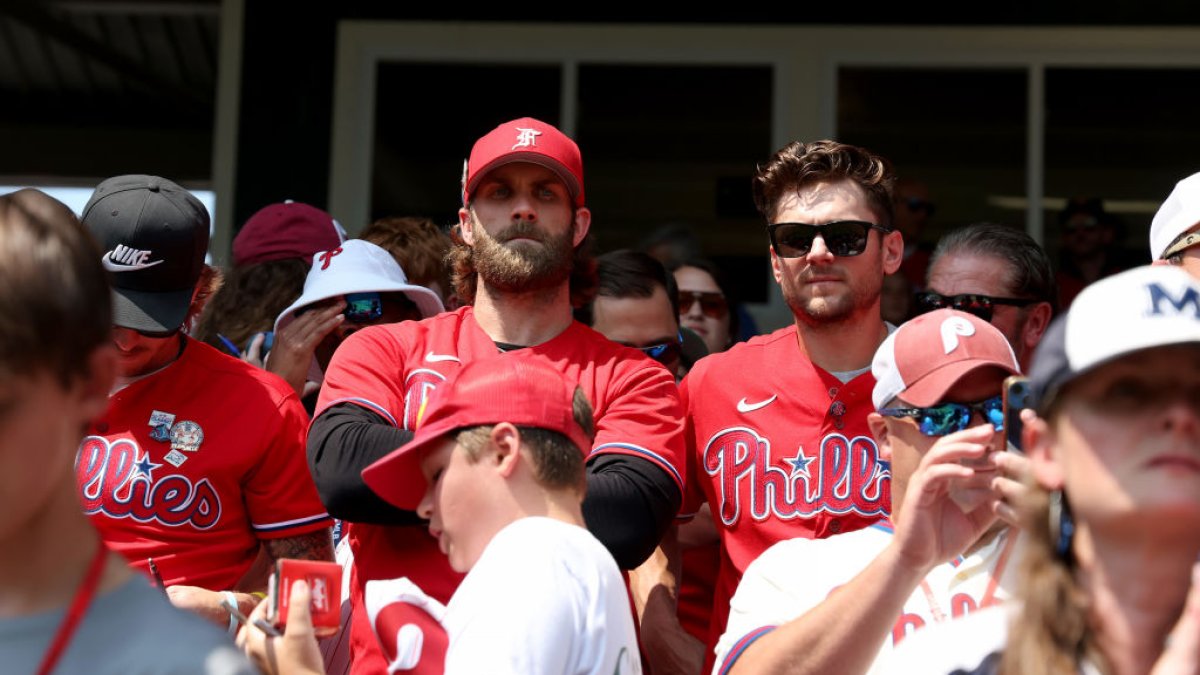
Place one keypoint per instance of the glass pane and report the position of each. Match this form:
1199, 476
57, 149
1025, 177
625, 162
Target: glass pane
959, 132
678, 144
1125, 136
427, 115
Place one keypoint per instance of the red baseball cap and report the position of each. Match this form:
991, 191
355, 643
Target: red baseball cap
286, 230
525, 140
519, 388
926, 357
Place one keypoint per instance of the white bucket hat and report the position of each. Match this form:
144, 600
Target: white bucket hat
357, 266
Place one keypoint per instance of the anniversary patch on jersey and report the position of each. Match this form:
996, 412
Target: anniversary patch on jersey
119, 480
842, 475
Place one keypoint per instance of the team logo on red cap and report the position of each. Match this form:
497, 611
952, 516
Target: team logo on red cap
526, 138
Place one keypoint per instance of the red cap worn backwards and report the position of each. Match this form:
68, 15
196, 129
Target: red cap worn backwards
522, 389
526, 140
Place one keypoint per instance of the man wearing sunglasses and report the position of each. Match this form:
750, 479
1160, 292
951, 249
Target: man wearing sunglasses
636, 306
199, 461
999, 274
777, 428
912, 213
520, 264
839, 605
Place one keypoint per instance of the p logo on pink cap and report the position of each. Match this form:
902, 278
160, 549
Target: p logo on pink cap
923, 359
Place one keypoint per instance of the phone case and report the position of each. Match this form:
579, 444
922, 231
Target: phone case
324, 582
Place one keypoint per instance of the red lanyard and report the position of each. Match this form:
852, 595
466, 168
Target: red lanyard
989, 594
79, 605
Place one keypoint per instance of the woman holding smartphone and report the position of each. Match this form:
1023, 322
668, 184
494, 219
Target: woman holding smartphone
1113, 526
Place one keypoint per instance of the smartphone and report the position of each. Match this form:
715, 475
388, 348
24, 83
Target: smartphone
1016, 399
268, 342
324, 582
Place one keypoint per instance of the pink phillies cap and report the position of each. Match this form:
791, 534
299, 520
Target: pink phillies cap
286, 230
925, 357
525, 140
523, 389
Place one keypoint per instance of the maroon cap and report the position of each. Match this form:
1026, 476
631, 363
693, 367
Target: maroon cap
286, 230
924, 358
519, 388
526, 140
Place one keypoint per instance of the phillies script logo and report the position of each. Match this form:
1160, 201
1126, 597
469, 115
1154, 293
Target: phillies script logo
118, 481
961, 605
843, 476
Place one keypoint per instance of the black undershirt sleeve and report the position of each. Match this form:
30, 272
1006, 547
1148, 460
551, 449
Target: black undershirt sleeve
344, 440
630, 503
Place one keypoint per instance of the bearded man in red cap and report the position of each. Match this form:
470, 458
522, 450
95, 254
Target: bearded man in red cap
520, 264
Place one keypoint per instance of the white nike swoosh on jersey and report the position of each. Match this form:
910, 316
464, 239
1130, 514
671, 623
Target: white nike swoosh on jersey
122, 267
434, 358
744, 407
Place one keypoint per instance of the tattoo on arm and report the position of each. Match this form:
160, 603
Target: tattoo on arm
312, 546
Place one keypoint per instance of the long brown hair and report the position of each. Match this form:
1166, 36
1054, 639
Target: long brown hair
1052, 633
250, 299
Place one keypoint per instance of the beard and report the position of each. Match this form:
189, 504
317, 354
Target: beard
524, 267
846, 303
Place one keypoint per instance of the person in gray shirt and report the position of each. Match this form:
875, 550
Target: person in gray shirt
67, 604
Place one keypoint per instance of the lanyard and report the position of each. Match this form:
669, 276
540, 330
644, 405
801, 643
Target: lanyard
989, 594
79, 605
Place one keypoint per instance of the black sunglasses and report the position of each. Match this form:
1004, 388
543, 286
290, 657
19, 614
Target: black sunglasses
843, 238
981, 306
914, 204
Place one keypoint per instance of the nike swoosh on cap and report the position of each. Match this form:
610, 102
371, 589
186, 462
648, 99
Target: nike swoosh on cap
434, 358
744, 407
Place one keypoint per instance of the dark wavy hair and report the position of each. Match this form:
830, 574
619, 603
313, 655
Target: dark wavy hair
797, 165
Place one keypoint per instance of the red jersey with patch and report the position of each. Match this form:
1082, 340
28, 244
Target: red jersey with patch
391, 371
779, 449
195, 464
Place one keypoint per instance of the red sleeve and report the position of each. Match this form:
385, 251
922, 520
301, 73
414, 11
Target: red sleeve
281, 499
693, 496
366, 370
644, 419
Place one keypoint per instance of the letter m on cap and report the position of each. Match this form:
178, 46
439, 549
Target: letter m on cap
1160, 295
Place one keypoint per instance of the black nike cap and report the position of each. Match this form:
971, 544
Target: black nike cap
154, 235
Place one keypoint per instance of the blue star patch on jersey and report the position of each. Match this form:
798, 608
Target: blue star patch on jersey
800, 463
144, 468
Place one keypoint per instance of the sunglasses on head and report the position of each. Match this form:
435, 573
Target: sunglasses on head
843, 238
712, 304
948, 418
666, 352
915, 204
981, 306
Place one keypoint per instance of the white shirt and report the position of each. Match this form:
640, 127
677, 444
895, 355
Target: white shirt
796, 575
545, 597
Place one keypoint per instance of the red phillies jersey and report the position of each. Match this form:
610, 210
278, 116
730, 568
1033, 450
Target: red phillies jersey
196, 463
779, 449
391, 371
